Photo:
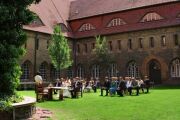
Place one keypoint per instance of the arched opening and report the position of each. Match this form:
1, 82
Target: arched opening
154, 71
133, 69
26, 68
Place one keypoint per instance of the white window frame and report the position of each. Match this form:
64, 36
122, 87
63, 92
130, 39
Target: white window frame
95, 71
133, 70
112, 72
175, 68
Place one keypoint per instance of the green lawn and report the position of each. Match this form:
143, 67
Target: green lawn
160, 104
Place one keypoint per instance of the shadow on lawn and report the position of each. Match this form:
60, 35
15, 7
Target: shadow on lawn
165, 87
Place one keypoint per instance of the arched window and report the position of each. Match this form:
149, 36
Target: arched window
151, 17
25, 67
43, 70
175, 68
116, 22
95, 71
80, 71
112, 71
86, 27
133, 69
55, 74
69, 72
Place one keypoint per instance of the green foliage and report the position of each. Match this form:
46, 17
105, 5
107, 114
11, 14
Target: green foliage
13, 15
102, 56
6, 102
59, 50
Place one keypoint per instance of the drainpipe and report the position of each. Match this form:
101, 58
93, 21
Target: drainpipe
35, 52
74, 57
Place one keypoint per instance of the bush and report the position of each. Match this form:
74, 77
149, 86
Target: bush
6, 102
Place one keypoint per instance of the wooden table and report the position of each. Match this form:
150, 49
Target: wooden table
60, 89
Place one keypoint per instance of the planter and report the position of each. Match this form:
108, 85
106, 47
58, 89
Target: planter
22, 110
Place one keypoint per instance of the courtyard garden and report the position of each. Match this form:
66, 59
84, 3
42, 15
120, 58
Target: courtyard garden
161, 103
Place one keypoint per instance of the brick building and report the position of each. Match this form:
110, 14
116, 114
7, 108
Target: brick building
143, 35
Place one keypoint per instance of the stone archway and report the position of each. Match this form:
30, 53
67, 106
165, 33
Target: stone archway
154, 71
159, 62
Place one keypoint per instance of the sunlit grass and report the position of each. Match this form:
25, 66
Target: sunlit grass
159, 104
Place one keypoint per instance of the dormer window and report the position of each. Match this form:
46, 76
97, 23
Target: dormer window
37, 22
178, 16
63, 27
86, 27
151, 17
116, 22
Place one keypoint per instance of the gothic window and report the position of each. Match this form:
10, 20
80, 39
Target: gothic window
116, 22
151, 17
57, 74
69, 72
86, 27
25, 67
80, 71
43, 70
112, 71
175, 68
95, 71
133, 69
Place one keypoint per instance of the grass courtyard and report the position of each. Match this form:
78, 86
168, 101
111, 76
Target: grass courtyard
160, 104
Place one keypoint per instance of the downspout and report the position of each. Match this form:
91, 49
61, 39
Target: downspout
35, 52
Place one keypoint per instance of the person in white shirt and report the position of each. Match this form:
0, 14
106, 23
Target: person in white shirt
38, 79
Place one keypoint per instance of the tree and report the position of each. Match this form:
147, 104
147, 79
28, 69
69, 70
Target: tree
102, 56
13, 15
59, 50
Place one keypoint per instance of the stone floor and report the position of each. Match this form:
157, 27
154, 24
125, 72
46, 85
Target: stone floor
41, 114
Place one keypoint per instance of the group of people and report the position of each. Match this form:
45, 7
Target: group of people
112, 86
125, 85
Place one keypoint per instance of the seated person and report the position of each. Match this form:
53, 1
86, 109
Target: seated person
135, 85
105, 86
57, 84
88, 85
129, 84
76, 87
113, 86
121, 87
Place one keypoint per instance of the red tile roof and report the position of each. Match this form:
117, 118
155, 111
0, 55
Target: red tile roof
50, 12
87, 8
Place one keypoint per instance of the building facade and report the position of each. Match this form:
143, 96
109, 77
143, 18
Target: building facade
142, 36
